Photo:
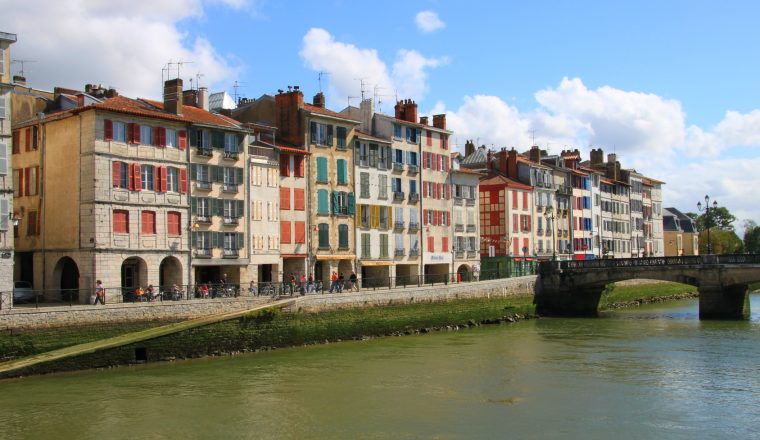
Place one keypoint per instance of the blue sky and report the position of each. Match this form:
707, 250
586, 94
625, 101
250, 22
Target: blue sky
672, 86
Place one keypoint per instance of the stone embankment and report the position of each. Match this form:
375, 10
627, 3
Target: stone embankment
657, 299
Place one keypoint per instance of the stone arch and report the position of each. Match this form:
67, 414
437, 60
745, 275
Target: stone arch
66, 278
169, 273
464, 272
346, 267
134, 273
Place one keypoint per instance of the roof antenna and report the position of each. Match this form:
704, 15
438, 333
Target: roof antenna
22, 64
237, 85
361, 83
319, 78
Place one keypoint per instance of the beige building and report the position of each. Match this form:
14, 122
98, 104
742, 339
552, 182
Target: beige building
6, 182
465, 211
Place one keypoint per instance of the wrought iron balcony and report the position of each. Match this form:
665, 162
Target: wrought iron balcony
414, 197
398, 225
459, 254
231, 253
470, 202
200, 151
399, 252
398, 196
202, 218
203, 253
230, 220
412, 169
414, 253
414, 226
471, 228
398, 166
458, 201
458, 227
228, 187
203, 185
231, 155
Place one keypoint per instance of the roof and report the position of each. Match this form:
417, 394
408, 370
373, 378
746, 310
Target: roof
522, 159
193, 114
221, 100
686, 223
413, 124
362, 135
478, 157
499, 180
466, 171
292, 150
325, 112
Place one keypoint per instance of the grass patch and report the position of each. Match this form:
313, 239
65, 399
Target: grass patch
622, 294
754, 287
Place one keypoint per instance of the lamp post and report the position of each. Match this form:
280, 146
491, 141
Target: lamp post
550, 216
706, 210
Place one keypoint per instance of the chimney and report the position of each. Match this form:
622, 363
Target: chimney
400, 110
439, 121
469, 148
612, 158
503, 161
287, 118
173, 96
489, 160
203, 98
423, 120
111, 93
366, 110
410, 111
80, 100
319, 100
597, 157
19, 80
512, 164
535, 154
190, 97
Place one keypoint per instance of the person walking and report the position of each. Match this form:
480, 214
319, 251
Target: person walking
334, 282
100, 293
341, 282
353, 281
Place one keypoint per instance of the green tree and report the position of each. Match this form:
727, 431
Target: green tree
720, 217
723, 242
751, 237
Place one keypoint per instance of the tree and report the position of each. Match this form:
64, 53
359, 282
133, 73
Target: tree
751, 237
720, 217
723, 242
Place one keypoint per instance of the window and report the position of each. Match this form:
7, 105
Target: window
343, 236
172, 179
412, 135
340, 133
322, 170
121, 221
383, 245
400, 242
4, 217
342, 171
285, 198
397, 131
146, 173
119, 131
340, 202
398, 156
373, 155
322, 202
148, 222
146, 134
364, 188
173, 223
412, 186
120, 174
230, 143
414, 243
363, 215
3, 105
298, 199
232, 208
32, 225
431, 244
202, 173
284, 165
384, 220
298, 166
3, 159
363, 152
285, 232
324, 235
232, 241
412, 159
171, 138
382, 184
202, 240
396, 184
321, 134
300, 232
366, 246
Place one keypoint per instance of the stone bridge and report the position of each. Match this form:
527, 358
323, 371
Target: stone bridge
573, 288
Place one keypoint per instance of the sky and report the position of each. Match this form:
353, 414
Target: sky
671, 87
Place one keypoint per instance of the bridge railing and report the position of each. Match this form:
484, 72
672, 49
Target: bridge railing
548, 266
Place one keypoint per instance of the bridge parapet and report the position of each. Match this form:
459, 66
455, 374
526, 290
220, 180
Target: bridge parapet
732, 259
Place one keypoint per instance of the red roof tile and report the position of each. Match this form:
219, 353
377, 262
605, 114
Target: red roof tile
505, 181
292, 150
323, 111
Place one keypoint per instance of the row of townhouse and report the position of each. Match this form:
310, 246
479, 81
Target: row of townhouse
6, 189
136, 192
536, 206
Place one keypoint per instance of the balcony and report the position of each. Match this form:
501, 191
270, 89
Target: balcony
398, 196
206, 219
203, 253
231, 155
458, 201
471, 228
262, 152
231, 253
381, 165
414, 197
470, 202
363, 162
203, 185
228, 187
458, 227
414, 253
398, 225
459, 254
230, 220
412, 169
472, 254
399, 252
414, 226
399, 167
207, 152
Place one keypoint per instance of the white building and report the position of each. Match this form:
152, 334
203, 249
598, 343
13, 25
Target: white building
6, 186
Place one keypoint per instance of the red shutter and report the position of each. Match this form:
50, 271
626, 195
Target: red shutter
448, 191
131, 133
156, 136
37, 184
448, 165
429, 138
182, 139
116, 167
183, 180
444, 244
157, 179
27, 175
284, 198
28, 139
161, 137
431, 244
108, 129
130, 176
15, 142
284, 165
298, 199
424, 189
438, 192
20, 182
425, 160
424, 216
285, 232
301, 166
137, 177
300, 236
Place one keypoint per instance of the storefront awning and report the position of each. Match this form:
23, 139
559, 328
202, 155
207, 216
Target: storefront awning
335, 257
376, 263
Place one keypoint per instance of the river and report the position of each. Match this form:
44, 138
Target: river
649, 372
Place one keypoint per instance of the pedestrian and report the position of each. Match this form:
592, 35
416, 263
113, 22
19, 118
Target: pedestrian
100, 293
334, 282
341, 283
353, 280
292, 283
310, 284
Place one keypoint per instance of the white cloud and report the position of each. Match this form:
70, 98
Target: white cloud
120, 43
346, 64
428, 21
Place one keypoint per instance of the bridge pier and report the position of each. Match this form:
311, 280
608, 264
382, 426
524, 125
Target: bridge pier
724, 302
577, 301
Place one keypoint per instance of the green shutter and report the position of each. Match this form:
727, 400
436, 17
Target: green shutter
335, 202
192, 136
194, 171
240, 240
240, 144
313, 131
217, 239
193, 205
217, 139
217, 173
322, 206
239, 172
351, 204
239, 209
341, 171
321, 169
219, 208
330, 135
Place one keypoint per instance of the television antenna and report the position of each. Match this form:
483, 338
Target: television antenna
22, 62
319, 78
235, 86
361, 85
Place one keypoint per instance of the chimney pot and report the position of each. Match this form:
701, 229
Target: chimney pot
423, 120
439, 121
173, 96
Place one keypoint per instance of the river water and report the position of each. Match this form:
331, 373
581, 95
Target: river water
649, 372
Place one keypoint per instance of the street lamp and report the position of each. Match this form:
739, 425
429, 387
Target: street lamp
550, 216
707, 209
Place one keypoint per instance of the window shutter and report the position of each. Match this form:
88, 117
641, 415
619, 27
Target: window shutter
322, 169
239, 209
183, 180
313, 131
448, 191
163, 178
322, 202
116, 171
240, 240
137, 177
157, 179
192, 135
424, 189
219, 174
298, 199
219, 207
239, 175
351, 203
28, 139
285, 232
130, 176
193, 205
335, 202
161, 136
341, 171
284, 198
131, 133
182, 139
27, 175
329, 135
108, 129
424, 217
217, 139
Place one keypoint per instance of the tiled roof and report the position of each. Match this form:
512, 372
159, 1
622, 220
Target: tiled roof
501, 180
413, 124
365, 136
292, 150
323, 111
478, 157
195, 114
466, 171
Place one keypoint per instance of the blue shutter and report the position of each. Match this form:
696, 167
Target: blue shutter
341, 171
322, 201
335, 202
321, 169
351, 204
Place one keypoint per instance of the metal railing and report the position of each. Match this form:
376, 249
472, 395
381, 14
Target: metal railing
653, 262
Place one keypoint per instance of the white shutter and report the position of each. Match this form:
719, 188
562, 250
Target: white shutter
3, 159
3, 107
4, 214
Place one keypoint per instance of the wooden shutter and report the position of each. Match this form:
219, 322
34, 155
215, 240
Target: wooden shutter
116, 171
108, 129
341, 163
161, 136
239, 175
27, 178
322, 169
193, 205
136, 177
131, 133
162, 173
351, 203
448, 191
444, 244
157, 179
284, 165
182, 139
284, 232
284, 198
183, 180
298, 203
322, 202
300, 235
300, 169
239, 209
424, 189
335, 202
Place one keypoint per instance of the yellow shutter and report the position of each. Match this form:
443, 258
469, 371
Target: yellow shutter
375, 216
390, 217
359, 215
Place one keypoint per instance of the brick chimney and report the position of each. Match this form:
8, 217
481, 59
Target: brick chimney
535, 154
190, 97
512, 164
503, 162
439, 121
173, 96
287, 115
411, 111
489, 160
319, 100
597, 157
423, 120
19, 80
400, 110
469, 148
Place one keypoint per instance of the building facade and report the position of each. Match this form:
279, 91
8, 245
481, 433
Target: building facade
465, 212
7, 210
